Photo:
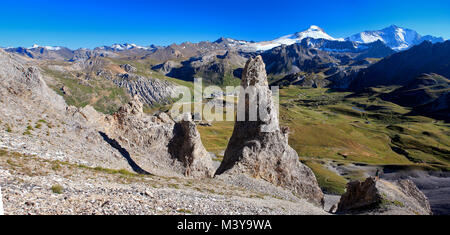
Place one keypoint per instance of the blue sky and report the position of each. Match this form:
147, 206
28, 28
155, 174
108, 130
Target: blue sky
94, 23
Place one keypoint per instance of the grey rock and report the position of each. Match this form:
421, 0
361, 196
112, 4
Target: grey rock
167, 67
156, 144
187, 147
164, 117
376, 196
128, 68
152, 91
266, 155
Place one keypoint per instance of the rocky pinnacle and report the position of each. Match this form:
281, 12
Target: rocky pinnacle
265, 155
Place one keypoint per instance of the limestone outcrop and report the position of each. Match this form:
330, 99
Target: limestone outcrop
151, 90
377, 196
157, 144
187, 147
258, 150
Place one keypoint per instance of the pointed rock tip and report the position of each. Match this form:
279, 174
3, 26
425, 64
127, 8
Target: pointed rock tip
254, 72
251, 62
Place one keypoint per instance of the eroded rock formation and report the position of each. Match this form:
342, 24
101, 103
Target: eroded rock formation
376, 196
254, 153
187, 147
157, 144
151, 90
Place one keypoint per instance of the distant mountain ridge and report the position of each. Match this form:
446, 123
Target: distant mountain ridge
397, 38
313, 31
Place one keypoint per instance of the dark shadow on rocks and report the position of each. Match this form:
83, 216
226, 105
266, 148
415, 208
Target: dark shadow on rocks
124, 153
238, 72
176, 143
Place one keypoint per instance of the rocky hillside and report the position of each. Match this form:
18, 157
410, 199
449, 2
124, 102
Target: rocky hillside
427, 94
321, 62
105, 84
420, 74
45, 53
216, 68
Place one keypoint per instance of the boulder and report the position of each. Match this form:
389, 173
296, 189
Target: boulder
258, 151
128, 68
377, 196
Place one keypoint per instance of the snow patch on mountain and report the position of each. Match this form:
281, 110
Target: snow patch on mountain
50, 48
126, 46
313, 32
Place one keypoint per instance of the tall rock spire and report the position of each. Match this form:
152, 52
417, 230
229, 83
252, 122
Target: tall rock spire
258, 153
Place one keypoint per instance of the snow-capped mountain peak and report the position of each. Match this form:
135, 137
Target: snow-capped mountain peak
312, 32
50, 48
397, 38
126, 46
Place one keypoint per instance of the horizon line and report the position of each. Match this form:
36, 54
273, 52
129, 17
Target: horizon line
198, 41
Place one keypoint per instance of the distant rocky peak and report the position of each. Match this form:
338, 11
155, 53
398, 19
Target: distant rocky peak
222, 39
312, 32
230, 42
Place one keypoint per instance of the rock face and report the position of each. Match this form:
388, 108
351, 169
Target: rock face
55, 131
187, 147
215, 67
256, 154
376, 196
286, 60
152, 91
167, 67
